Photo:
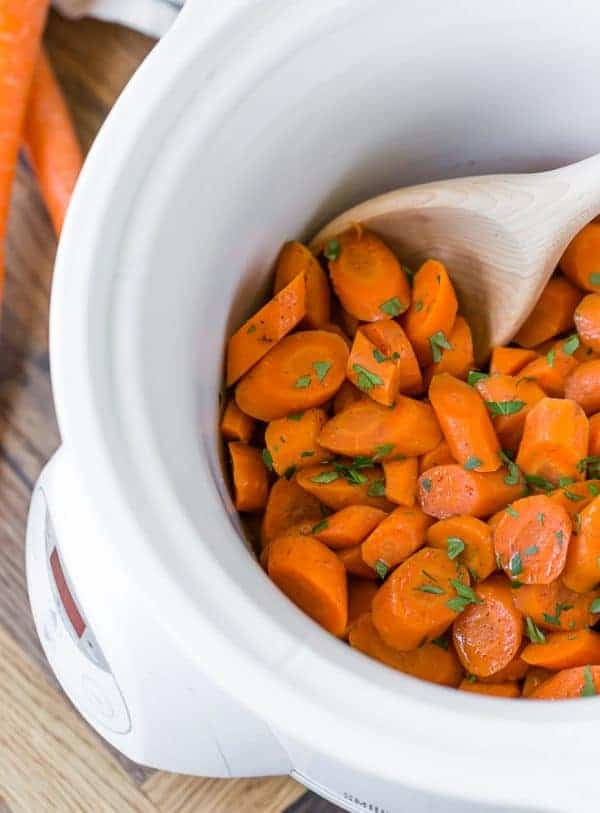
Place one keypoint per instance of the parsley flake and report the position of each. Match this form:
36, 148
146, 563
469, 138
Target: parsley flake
303, 382
594, 278
325, 477
540, 518
455, 546
251, 329
514, 474
571, 495
593, 489
589, 687
474, 376
321, 369
332, 250
559, 537
531, 550
595, 606
472, 463
511, 511
381, 568
555, 619
295, 416
515, 564
430, 588
550, 356
539, 482
393, 307
306, 453
464, 596
504, 407
320, 526
289, 472
418, 305
267, 459
534, 633
439, 342
376, 489
366, 379
442, 642
571, 344
426, 484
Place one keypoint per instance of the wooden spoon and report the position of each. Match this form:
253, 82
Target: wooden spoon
500, 236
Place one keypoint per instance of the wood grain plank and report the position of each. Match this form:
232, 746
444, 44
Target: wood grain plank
311, 803
172, 793
50, 758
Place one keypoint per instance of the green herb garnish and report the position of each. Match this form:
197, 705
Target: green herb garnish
303, 382
320, 526
472, 463
464, 596
418, 305
589, 687
595, 606
559, 537
366, 379
540, 518
511, 511
430, 588
515, 565
267, 459
381, 568
306, 454
332, 250
504, 407
558, 609
393, 307
289, 472
595, 278
474, 376
571, 344
438, 343
531, 550
550, 356
539, 482
455, 546
251, 329
442, 642
321, 369
325, 477
426, 484
534, 633
295, 416
376, 489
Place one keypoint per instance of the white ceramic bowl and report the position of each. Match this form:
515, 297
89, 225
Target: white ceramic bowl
252, 123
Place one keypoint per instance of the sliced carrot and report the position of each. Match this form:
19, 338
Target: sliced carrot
331, 327
235, 425
429, 662
509, 401
487, 635
419, 600
355, 565
51, 143
295, 259
445, 491
438, 456
292, 441
401, 480
347, 322
303, 370
396, 538
535, 677
510, 360
555, 439
349, 526
507, 689
430, 318
493, 521
467, 539
581, 259
360, 597
366, 276
379, 381
261, 332
574, 497
555, 607
581, 681
551, 370
392, 342
594, 444
516, 669
250, 481
587, 321
563, 650
465, 423
582, 571
366, 428
583, 386
313, 578
459, 359
552, 314
288, 505
338, 489
346, 396
531, 540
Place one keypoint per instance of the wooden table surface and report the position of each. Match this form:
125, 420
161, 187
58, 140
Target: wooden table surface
49, 758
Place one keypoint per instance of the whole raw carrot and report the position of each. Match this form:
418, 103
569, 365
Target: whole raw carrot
51, 142
21, 24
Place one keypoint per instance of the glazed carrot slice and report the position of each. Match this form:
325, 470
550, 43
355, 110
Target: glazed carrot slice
303, 370
420, 599
467, 539
531, 540
401, 480
439, 456
582, 257
379, 381
585, 353
574, 497
552, 314
288, 505
459, 359
409, 428
348, 323
331, 327
430, 318
445, 491
355, 565
551, 370
250, 481
396, 538
51, 143
347, 395
360, 597
563, 650
295, 259
587, 321
487, 635
510, 360
429, 662
507, 689
509, 401
582, 571
259, 334
338, 487
535, 677
392, 343
583, 386
555, 439
516, 669
581, 681
366, 276
235, 425
349, 527
313, 578
555, 607
493, 521
594, 443
465, 423
292, 441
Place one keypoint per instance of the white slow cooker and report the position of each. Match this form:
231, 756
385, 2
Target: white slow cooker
249, 124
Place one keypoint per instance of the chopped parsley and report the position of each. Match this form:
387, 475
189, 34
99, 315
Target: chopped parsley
321, 369
442, 642
511, 511
295, 416
595, 278
303, 382
571, 344
534, 633
589, 466
438, 343
558, 609
464, 596
393, 307
472, 463
455, 546
593, 489
251, 329
565, 481
559, 537
376, 489
383, 450
531, 550
550, 356
426, 483
504, 407
540, 518
571, 495
366, 380
589, 687
325, 477
514, 475
515, 564
267, 459
289, 472
320, 526
332, 250
539, 482
474, 376
306, 453
430, 588
381, 568
595, 606
418, 305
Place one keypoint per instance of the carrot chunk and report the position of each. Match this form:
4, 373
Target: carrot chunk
551, 370
360, 597
430, 318
582, 571
563, 650
553, 606
581, 681
444, 491
439, 456
510, 360
349, 526
378, 380
465, 423
338, 485
459, 358
401, 480
396, 538
295, 259
552, 314
235, 425
366, 276
313, 578
250, 481
583, 386
261, 332
292, 442
515, 669
467, 539
581, 259
507, 689
574, 497
288, 505
509, 401
535, 677
594, 444
346, 396
355, 565
587, 321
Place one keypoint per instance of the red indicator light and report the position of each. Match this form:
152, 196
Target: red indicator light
67, 599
